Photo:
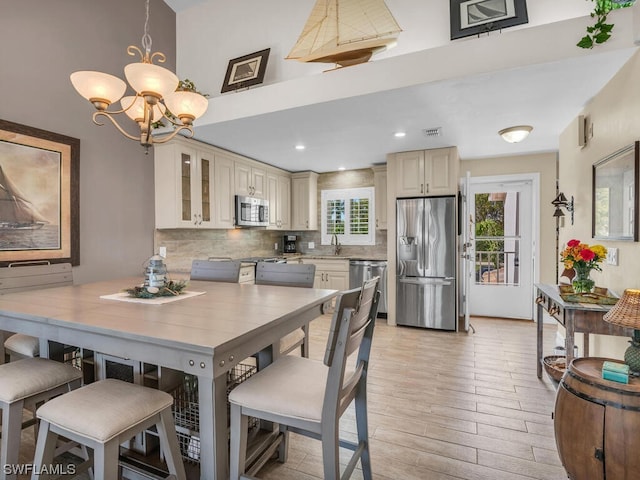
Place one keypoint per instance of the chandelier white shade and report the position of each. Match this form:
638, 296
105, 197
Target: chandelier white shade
186, 105
515, 134
149, 79
98, 86
159, 95
134, 107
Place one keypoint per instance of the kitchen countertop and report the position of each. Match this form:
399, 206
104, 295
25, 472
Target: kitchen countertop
332, 257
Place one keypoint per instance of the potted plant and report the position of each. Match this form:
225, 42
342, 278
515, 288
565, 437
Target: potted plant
600, 31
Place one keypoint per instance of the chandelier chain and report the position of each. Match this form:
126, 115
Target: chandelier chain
146, 38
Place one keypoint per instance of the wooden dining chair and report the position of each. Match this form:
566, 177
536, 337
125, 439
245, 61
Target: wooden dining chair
289, 275
216, 270
309, 396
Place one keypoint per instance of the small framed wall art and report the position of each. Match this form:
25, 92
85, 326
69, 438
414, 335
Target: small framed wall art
473, 17
246, 71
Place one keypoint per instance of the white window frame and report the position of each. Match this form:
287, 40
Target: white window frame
347, 194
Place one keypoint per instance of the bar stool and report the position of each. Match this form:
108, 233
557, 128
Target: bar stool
101, 416
19, 346
25, 384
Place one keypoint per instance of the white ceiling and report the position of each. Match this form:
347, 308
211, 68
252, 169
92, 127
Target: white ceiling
357, 131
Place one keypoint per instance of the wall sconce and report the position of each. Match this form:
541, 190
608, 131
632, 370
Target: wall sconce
561, 202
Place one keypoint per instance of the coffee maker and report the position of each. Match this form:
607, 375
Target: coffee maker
290, 243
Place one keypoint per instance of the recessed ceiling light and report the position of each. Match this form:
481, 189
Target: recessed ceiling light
299, 147
341, 168
399, 134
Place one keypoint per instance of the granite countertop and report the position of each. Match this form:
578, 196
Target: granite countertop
333, 257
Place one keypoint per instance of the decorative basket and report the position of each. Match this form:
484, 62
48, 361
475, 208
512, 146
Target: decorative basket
555, 366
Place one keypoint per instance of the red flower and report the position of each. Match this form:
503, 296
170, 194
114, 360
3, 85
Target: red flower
573, 243
587, 255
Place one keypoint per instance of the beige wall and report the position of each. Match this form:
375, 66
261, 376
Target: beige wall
545, 165
43, 42
614, 113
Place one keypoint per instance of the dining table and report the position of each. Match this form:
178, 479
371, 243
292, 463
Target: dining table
205, 333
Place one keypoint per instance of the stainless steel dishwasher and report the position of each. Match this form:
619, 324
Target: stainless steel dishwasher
361, 270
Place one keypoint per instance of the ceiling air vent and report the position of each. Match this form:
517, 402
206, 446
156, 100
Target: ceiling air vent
432, 132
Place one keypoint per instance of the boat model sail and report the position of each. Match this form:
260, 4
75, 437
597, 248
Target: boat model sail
16, 212
346, 32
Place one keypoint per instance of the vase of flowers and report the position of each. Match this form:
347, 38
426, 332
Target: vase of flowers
583, 258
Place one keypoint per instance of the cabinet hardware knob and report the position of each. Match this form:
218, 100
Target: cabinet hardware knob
231, 357
202, 365
221, 363
422, 188
427, 188
191, 363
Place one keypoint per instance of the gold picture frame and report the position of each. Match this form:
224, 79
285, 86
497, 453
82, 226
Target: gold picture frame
39, 196
246, 71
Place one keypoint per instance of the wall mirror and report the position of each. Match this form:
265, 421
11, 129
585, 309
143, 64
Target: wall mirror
615, 195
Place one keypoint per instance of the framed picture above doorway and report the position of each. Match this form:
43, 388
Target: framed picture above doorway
474, 17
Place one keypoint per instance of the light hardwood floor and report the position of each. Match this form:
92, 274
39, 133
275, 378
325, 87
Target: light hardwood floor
444, 406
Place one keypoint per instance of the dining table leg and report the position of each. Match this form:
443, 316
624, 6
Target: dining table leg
214, 448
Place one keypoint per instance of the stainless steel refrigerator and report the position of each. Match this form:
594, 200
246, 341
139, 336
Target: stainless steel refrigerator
426, 262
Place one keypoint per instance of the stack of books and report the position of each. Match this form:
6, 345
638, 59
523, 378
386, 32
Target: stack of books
616, 372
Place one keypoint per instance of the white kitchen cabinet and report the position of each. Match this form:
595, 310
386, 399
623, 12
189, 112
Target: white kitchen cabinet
426, 172
251, 179
190, 190
223, 193
330, 273
304, 201
380, 188
279, 196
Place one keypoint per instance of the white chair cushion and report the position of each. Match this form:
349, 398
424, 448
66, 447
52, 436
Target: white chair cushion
104, 409
30, 376
292, 386
24, 345
290, 339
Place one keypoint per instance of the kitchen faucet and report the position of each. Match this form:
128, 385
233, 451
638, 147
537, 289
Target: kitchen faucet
336, 243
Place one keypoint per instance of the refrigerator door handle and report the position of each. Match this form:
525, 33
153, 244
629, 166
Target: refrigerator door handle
427, 280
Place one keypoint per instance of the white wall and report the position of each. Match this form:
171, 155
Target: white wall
42, 43
212, 32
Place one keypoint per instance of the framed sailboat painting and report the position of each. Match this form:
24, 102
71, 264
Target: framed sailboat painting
39, 196
474, 17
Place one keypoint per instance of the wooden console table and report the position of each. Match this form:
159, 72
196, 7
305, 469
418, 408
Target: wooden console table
574, 317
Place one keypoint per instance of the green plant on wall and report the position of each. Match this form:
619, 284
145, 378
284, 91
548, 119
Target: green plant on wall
600, 31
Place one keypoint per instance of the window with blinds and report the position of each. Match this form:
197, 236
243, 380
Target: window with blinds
348, 214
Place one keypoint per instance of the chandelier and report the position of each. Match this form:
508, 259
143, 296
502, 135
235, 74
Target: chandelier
159, 95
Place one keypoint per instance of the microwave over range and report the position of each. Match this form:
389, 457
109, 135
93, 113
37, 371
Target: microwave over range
251, 212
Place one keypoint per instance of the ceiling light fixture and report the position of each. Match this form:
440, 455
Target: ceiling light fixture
300, 147
159, 94
399, 134
515, 134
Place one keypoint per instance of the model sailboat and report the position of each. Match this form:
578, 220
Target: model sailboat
346, 32
16, 212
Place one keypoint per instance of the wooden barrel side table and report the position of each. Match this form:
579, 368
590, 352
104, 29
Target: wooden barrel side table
597, 423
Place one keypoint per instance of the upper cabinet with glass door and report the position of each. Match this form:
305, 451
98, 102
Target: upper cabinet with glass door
187, 193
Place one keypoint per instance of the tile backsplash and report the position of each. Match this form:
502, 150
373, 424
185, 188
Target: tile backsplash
185, 245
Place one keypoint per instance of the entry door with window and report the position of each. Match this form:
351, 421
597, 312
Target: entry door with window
501, 249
